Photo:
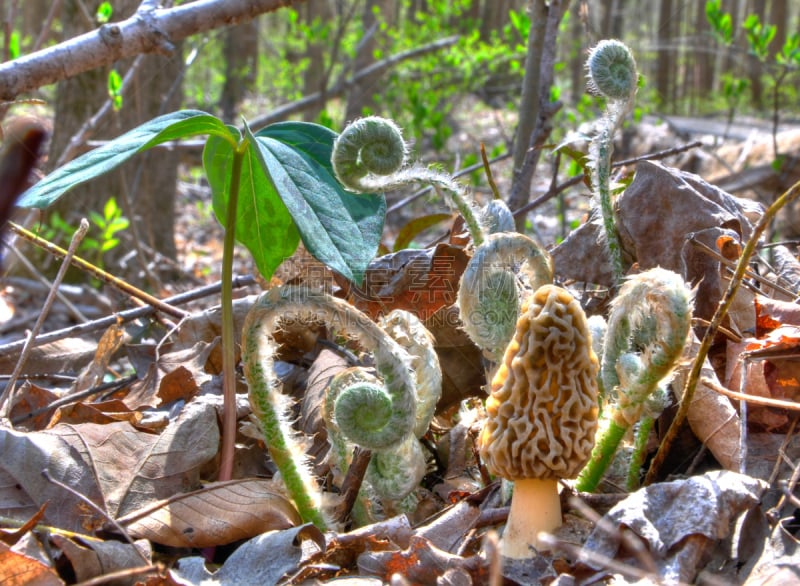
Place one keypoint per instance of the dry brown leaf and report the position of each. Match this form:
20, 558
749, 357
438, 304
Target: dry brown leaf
262, 560
657, 212
109, 343
177, 374
135, 468
419, 281
773, 313
19, 569
218, 514
461, 361
103, 412
677, 521
206, 326
755, 384
67, 355
93, 558
712, 418
23, 457
422, 563
29, 398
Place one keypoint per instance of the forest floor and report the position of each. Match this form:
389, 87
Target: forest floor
115, 439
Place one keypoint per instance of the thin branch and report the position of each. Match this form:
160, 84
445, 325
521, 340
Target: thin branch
149, 30
5, 398
342, 86
127, 315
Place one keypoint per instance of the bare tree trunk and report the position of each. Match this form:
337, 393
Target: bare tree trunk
536, 109
664, 58
148, 182
703, 70
362, 95
315, 77
778, 15
754, 66
241, 67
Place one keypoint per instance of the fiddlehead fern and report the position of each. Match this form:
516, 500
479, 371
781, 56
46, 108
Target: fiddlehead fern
371, 155
271, 407
396, 470
612, 73
488, 296
647, 330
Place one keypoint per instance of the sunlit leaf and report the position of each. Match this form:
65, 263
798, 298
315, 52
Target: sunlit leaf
174, 126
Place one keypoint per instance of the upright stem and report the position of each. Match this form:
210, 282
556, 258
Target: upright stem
228, 333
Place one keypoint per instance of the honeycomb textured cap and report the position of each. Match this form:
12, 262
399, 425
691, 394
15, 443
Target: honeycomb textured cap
543, 406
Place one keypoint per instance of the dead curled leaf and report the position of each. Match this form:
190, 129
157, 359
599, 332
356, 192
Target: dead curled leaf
218, 514
262, 560
676, 521
657, 214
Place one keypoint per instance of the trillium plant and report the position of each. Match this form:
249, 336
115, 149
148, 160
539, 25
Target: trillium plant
271, 189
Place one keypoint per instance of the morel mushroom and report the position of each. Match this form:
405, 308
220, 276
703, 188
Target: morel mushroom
542, 413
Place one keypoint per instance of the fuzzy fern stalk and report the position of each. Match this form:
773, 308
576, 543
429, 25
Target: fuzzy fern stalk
394, 471
612, 73
385, 414
488, 296
647, 330
371, 155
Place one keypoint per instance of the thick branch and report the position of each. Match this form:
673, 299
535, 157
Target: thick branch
150, 30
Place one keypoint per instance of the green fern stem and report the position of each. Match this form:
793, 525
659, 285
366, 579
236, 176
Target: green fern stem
602, 454
602, 176
647, 332
371, 155
639, 452
612, 73
271, 407
488, 296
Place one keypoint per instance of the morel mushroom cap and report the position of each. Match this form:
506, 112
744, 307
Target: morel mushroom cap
543, 407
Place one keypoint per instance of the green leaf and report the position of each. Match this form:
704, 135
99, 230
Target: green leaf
263, 223
339, 228
172, 126
104, 12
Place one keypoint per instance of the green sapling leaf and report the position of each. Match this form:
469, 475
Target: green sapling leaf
339, 228
174, 126
263, 224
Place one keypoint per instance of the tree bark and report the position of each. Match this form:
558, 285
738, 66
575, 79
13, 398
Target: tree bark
536, 98
664, 57
147, 182
149, 30
361, 96
241, 67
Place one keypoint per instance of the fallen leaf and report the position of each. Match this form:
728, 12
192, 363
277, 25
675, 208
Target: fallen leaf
91, 558
419, 281
774, 313
712, 418
175, 375
19, 569
422, 563
23, 490
93, 374
134, 468
218, 514
676, 521
263, 560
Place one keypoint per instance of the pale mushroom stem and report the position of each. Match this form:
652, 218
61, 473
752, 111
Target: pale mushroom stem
535, 508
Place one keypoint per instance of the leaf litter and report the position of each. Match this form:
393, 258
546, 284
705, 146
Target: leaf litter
145, 454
